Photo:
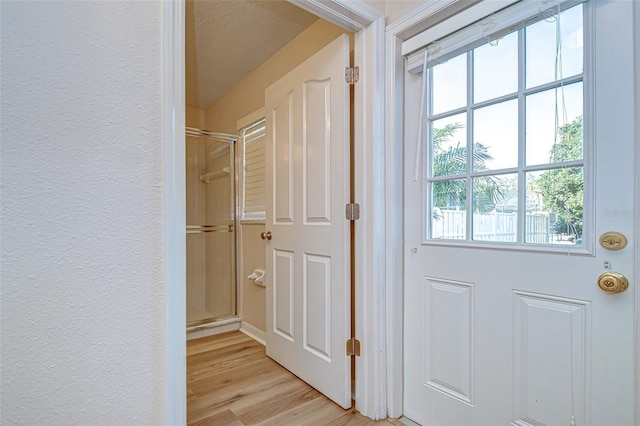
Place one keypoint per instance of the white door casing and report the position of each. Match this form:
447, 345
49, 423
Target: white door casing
368, 24
371, 230
498, 336
308, 174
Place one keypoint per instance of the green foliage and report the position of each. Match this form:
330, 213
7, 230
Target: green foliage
453, 161
562, 189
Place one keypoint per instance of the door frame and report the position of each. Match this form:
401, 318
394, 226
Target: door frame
174, 212
411, 24
636, 53
369, 174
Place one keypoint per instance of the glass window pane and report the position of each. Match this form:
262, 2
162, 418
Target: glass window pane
495, 208
547, 60
495, 136
554, 125
448, 215
495, 68
449, 88
555, 200
449, 146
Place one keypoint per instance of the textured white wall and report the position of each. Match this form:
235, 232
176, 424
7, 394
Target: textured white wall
82, 294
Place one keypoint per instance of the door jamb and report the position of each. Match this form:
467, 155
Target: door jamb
368, 24
636, 71
404, 28
174, 212
369, 186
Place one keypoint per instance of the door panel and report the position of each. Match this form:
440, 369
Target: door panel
283, 290
526, 337
448, 325
551, 346
317, 305
317, 152
308, 271
282, 119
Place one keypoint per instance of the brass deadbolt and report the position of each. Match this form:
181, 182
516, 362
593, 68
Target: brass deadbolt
613, 282
613, 240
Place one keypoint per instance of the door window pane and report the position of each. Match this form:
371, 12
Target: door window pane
495, 136
495, 208
495, 68
549, 59
554, 125
449, 88
555, 200
448, 215
449, 146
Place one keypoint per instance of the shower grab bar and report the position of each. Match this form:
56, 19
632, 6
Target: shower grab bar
198, 229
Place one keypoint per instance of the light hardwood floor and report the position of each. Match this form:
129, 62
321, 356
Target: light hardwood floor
231, 381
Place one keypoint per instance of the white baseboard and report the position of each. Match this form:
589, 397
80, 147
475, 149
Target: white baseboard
213, 328
256, 334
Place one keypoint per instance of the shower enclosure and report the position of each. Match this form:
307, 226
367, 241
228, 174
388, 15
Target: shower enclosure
211, 226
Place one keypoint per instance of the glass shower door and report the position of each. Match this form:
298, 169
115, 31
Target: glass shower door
210, 196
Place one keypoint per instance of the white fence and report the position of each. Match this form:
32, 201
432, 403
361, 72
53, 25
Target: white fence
493, 226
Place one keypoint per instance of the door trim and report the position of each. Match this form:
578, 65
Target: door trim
370, 229
636, 53
369, 175
406, 27
368, 24
174, 212
396, 33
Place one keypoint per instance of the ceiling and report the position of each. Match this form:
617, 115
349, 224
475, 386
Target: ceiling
227, 39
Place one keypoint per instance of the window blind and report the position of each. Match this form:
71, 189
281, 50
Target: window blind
253, 171
479, 24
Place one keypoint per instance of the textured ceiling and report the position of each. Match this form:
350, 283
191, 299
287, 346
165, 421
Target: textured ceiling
227, 39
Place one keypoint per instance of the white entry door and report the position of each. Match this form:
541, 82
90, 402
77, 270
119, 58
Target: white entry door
308, 174
504, 320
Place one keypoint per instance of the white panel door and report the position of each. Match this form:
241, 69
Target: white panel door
308, 173
497, 336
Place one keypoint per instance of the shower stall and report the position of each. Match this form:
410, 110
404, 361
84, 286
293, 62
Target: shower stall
211, 227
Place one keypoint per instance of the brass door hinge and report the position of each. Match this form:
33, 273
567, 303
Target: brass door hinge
353, 347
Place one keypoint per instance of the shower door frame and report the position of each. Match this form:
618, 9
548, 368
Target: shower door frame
373, 264
232, 140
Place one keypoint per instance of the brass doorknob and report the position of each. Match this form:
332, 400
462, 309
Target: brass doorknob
613, 282
266, 235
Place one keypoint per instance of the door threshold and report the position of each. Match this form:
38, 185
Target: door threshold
408, 422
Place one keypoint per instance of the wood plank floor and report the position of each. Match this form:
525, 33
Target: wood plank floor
231, 381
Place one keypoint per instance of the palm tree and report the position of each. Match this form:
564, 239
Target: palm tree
453, 161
